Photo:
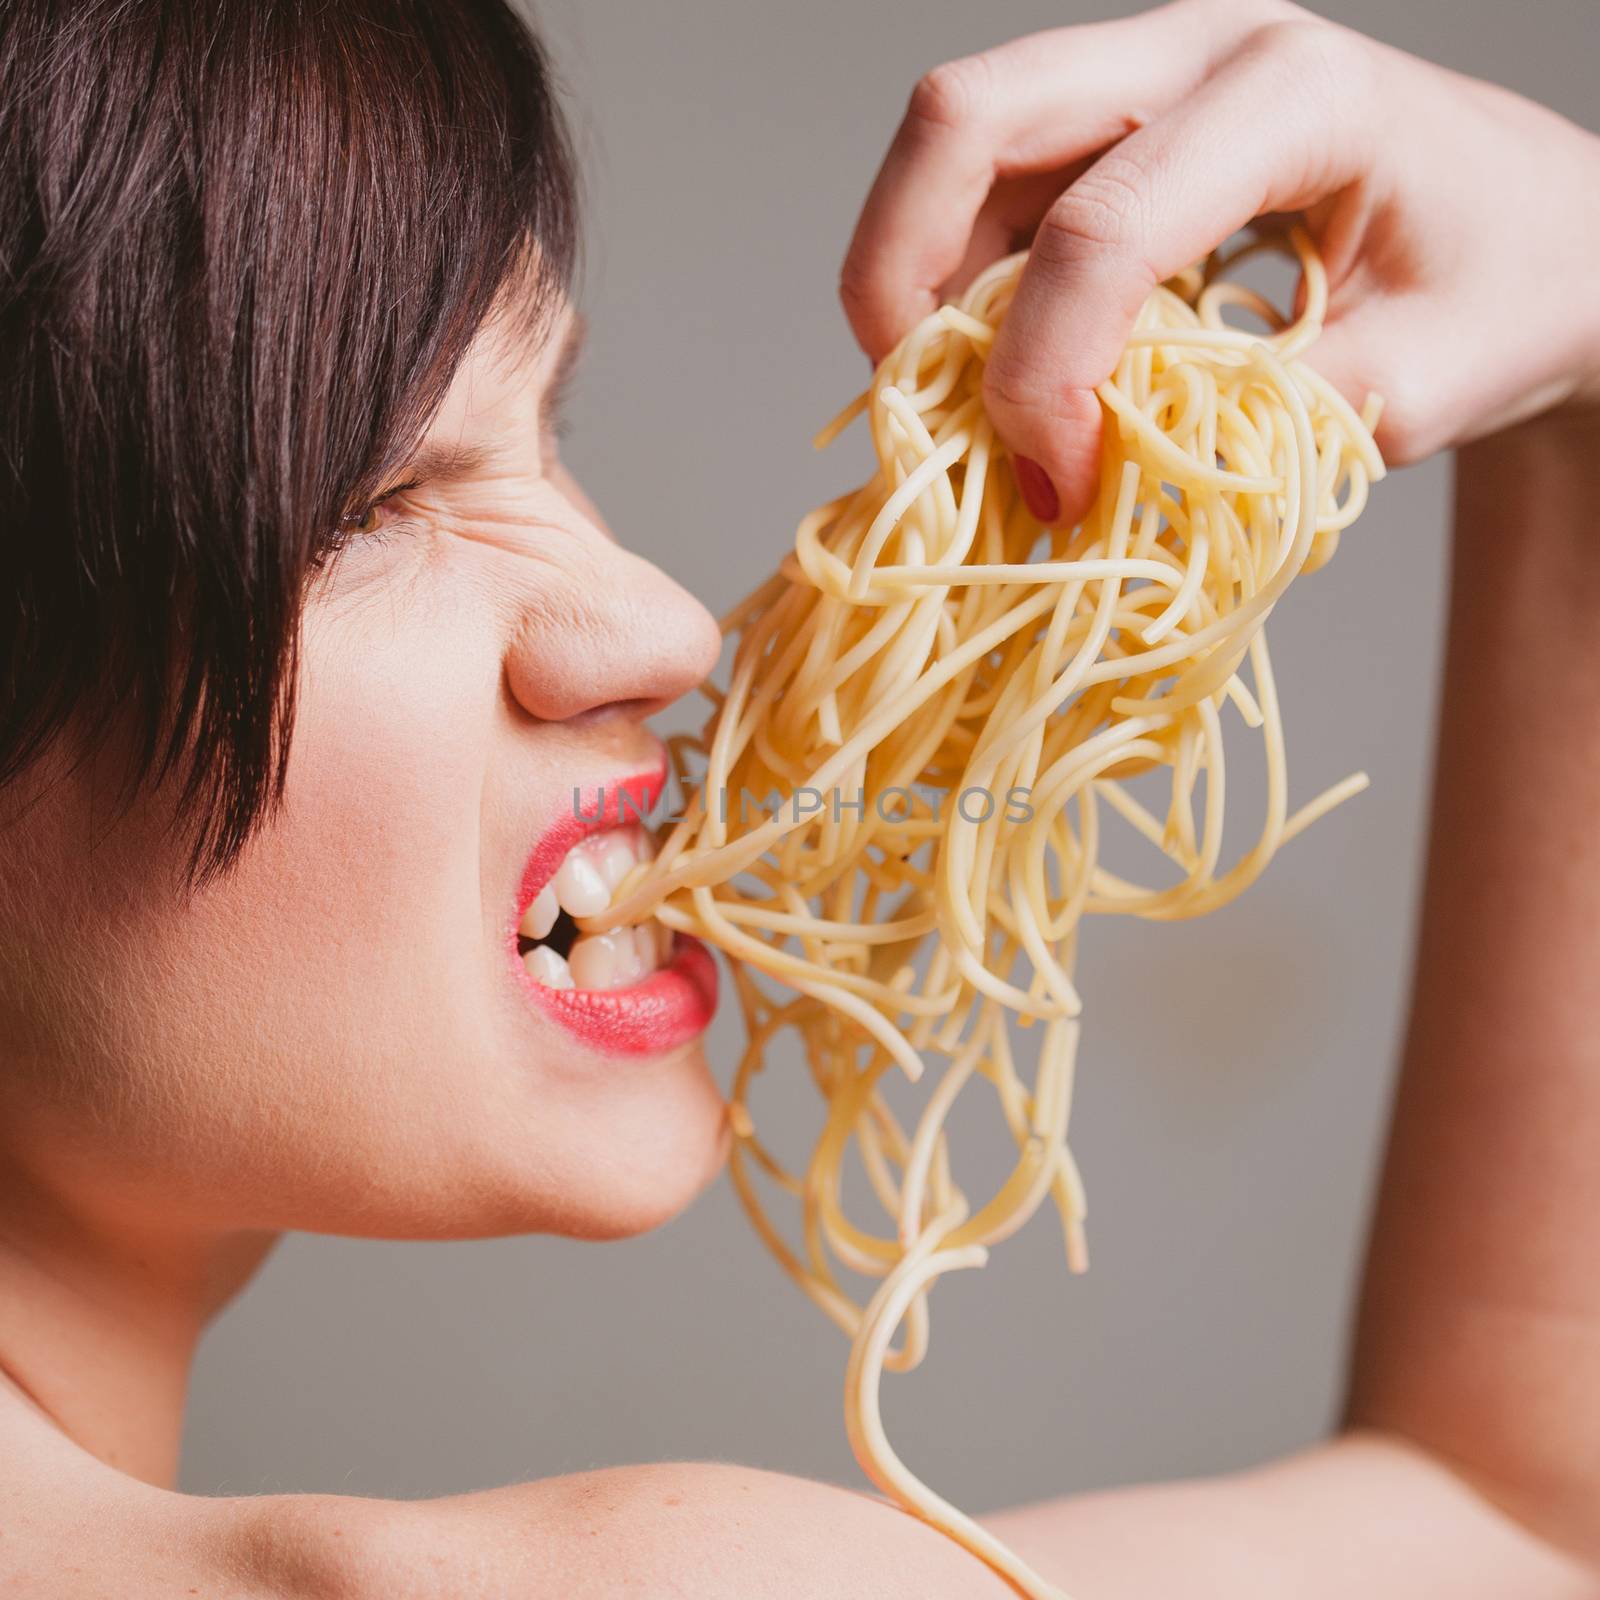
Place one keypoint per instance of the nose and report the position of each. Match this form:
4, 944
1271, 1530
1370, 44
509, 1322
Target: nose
607, 628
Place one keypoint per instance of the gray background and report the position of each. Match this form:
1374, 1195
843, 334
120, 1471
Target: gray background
1229, 1135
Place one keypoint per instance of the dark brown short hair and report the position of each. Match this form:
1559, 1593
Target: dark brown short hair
243, 246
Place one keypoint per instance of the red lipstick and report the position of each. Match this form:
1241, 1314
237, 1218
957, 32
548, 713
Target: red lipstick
664, 1011
671, 1007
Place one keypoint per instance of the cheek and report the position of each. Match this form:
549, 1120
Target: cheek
312, 1031
357, 922
380, 811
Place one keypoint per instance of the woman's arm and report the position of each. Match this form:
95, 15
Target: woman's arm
1363, 1517
1480, 1324
1473, 1464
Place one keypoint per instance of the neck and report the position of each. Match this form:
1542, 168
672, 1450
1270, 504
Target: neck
100, 1315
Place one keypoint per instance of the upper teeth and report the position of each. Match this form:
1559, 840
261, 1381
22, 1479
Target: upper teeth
540, 917
582, 886
579, 886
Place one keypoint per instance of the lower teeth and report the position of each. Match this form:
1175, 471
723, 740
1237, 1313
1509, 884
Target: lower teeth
615, 960
543, 965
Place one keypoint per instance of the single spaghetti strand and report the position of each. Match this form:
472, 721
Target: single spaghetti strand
938, 714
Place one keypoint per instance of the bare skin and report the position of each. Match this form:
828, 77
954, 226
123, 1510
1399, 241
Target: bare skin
1468, 1465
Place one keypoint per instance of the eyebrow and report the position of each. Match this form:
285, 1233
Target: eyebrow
443, 461
434, 461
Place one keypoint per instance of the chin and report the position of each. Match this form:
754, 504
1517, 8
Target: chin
657, 1142
597, 1148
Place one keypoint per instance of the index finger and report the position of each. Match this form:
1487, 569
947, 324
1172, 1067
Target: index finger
1282, 124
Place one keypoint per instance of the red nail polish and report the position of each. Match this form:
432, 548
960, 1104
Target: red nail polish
1037, 489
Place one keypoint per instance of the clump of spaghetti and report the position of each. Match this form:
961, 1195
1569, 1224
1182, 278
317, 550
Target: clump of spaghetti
942, 704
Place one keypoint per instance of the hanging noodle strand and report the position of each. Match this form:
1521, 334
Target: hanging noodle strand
935, 712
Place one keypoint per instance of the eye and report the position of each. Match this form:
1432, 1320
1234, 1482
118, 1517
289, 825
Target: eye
371, 516
368, 522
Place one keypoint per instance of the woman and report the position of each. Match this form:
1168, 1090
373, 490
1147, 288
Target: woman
313, 636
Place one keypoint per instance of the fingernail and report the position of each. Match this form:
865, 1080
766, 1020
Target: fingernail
1037, 489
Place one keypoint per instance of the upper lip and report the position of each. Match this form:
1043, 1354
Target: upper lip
592, 808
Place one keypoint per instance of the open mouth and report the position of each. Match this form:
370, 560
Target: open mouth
555, 954
637, 991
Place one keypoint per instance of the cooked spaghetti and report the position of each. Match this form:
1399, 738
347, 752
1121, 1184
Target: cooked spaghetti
937, 711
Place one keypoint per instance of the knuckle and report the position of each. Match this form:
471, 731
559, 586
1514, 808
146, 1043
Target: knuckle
1103, 213
1324, 81
1008, 386
952, 96
1016, 388
1082, 221
1314, 55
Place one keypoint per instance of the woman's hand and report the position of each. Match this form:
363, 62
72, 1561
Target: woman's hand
1460, 223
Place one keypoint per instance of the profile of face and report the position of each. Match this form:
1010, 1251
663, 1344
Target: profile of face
339, 1032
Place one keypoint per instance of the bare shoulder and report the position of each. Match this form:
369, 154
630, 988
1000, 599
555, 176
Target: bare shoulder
697, 1529
72, 1528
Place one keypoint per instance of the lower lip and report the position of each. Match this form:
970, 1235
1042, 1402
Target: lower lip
669, 1009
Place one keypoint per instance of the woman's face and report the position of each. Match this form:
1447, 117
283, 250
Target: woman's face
340, 1035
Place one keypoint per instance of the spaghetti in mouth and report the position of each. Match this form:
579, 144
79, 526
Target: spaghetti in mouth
553, 950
